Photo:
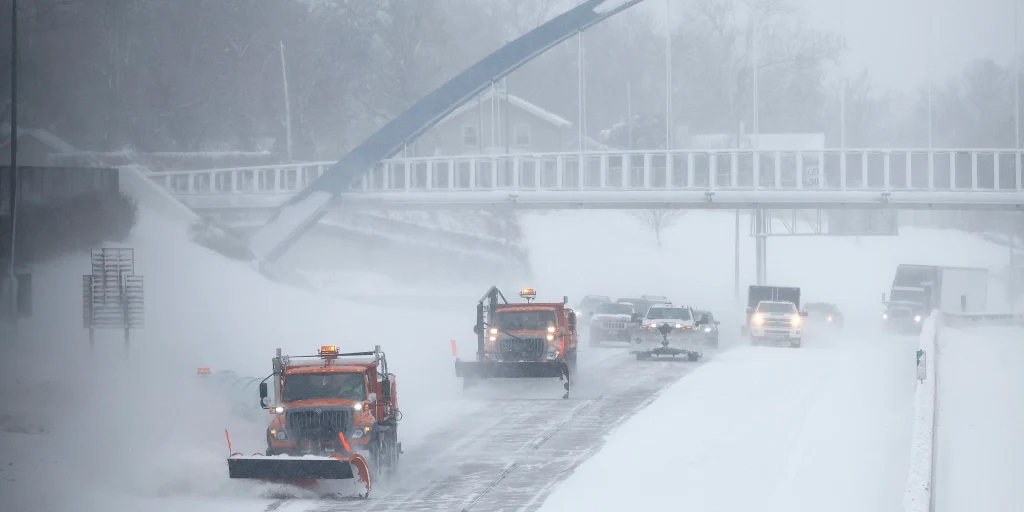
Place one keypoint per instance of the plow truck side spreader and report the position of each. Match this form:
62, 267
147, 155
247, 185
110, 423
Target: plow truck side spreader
334, 416
522, 340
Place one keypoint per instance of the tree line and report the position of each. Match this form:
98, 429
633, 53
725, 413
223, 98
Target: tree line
209, 75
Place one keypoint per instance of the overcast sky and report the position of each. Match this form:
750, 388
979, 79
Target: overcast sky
890, 38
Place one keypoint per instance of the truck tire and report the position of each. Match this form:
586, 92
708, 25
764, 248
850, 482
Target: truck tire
795, 343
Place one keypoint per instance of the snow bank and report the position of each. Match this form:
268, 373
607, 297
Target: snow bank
979, 447
824, 427
920, 481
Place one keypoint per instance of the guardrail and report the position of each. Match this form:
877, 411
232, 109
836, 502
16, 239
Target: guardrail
964, 319
918, 494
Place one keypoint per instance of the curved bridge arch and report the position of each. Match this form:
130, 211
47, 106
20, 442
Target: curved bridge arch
300, 213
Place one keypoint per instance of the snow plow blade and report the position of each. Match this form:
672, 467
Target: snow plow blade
510, 369
284, 468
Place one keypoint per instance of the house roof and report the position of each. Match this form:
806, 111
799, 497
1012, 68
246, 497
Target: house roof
518, 102
51, 141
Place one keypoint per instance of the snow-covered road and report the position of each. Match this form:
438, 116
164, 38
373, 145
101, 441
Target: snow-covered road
980, 448
826, 427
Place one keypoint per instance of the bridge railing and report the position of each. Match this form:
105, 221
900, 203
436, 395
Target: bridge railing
742, 169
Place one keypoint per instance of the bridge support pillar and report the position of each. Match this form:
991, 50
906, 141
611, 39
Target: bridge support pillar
761, 219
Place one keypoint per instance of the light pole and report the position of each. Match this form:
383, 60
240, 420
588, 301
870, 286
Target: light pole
14, 160
669, 111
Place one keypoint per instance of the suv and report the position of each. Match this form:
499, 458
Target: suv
612, 321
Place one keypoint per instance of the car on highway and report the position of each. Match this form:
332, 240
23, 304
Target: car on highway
707, 324
822, 313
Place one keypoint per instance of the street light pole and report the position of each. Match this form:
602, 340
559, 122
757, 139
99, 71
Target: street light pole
669, 110
13, 181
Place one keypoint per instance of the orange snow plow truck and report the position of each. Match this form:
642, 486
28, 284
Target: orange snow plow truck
334, 416
522, 340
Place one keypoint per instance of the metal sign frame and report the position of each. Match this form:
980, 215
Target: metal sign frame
113, 296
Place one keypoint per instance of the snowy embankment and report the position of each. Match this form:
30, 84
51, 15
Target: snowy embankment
920, 477
86, 430
979, 446
825, 427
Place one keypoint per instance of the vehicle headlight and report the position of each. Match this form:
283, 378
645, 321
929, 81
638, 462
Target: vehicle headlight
551, 328
917, 318
795, 321
279, 410
551, 337
358, 406
885, 316
278, 434
707, 329
829, 319
758, 319
494, 330
651, 326
679, 326
360, 432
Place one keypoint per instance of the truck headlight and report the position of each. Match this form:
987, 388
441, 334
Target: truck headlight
758, 319
795, 321
551, 328
279, 410
278, 434
707, 329
829, 319
885, 316
917, 318
360, 432
551, 337
358, 406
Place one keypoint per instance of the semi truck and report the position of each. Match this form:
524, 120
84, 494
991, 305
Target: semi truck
917, 290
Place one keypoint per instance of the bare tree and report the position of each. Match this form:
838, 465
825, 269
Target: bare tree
658, 220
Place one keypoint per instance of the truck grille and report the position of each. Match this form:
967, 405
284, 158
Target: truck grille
899, 313
776, 322
613, 325
318, 422
520, 349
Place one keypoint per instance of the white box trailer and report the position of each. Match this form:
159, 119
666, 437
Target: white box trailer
963, 290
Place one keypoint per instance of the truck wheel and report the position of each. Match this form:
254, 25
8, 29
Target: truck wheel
795, 343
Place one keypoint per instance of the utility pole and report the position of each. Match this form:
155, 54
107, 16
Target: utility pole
669, 111
11, 270
287, 104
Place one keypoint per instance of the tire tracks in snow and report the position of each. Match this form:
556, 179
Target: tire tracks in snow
521, 450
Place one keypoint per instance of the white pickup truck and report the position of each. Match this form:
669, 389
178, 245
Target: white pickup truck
777, 321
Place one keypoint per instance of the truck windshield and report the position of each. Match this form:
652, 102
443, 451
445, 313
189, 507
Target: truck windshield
776, 307
320, 386
668, 313
907, 296
524, 320
615, 309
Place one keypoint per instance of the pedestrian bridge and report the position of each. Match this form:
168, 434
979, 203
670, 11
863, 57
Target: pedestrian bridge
948, 179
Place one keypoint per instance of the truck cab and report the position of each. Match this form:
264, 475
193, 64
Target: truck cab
907, 308
521, 340
530, 332
776, 321
668, 329
325, 406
